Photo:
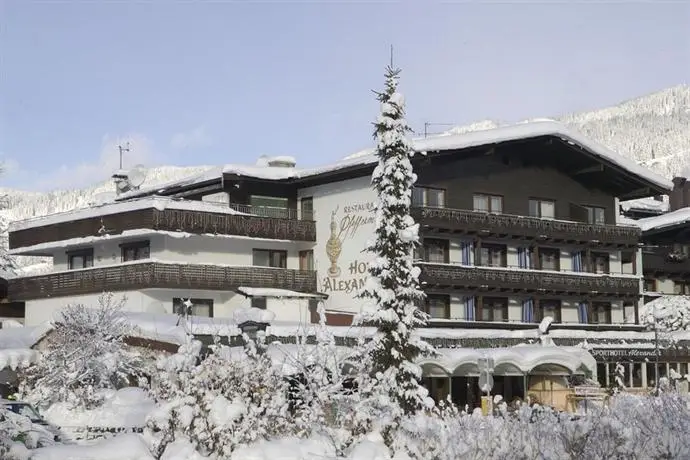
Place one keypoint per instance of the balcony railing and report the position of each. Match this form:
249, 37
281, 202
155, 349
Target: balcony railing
135, 276
462, 220
663, 260
468, 277
174, 220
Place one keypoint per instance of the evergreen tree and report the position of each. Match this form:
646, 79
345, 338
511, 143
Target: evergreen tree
392, 284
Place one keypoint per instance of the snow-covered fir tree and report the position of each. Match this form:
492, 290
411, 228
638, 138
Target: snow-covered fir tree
392, 285
85, 354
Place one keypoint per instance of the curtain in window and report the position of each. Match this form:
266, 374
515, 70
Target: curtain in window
524, 258
469, 308
577, 260
466, 247
582, 313
528, 311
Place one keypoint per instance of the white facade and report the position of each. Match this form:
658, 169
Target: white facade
171, 248
161, 301
346, 217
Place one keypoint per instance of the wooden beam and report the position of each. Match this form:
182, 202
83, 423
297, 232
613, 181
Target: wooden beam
591, 169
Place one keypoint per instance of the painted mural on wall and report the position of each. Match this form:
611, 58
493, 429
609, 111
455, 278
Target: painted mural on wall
350, 229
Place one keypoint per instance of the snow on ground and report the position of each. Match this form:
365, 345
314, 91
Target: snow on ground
127, 408
123, 447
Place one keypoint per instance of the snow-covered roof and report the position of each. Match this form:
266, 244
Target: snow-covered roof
429, 144
523, 357
667, 220
156, 202
645, 204
277, 293
17, 358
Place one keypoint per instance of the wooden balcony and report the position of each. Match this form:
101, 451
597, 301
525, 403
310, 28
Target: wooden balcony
282, 226
664, 261
144, 275
460, 277
503, 225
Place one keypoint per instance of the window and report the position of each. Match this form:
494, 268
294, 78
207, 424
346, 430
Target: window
546, 209
493, 255
194, 307
600, 262
628, 262
269, 258
307, 208
548, 307
595, 215
601, 313
493, 309
306, 260
258, 302
681, 288
438, 306
430, 197
436, 251
488, 203
269, 206
82, 258
135, 251
549, 259
682, 249
649, 285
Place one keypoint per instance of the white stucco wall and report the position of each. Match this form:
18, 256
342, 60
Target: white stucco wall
350, 206
160, 301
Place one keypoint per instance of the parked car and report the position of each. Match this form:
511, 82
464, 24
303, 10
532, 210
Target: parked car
47, 433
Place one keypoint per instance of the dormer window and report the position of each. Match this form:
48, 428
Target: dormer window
136, 251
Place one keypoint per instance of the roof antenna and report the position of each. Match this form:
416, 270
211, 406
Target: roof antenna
123, 149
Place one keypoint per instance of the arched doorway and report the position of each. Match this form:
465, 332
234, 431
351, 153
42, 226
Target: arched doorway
509, 382
548, 385
437, 380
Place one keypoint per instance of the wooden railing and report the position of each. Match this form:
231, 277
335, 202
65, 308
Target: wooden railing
136, 276
462, 276
463, 220
281, 227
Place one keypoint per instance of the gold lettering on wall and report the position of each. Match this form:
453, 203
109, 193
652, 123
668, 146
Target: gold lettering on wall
344, 232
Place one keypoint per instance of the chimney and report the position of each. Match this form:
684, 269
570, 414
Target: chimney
680, 196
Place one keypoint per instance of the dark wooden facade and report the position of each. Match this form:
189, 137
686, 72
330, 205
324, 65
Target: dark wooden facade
158, 275
463, 221
460, 277
173, 220
663, 261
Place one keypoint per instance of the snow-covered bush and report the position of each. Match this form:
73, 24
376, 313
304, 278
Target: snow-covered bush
667, 313
15, 436
230, 398
389, 376
85, 354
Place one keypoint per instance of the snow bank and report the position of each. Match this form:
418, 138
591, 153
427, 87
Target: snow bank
124, 408
124, 447
288, 449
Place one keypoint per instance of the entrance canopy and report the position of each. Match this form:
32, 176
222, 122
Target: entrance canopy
517, 360
279, 293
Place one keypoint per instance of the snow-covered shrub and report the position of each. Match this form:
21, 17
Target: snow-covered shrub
15, 436
85, 354
389, 375
667, 313
230, 398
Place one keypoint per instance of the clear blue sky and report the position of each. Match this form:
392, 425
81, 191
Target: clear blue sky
194, 83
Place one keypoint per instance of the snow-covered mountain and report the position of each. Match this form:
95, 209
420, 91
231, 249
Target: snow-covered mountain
654, 130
